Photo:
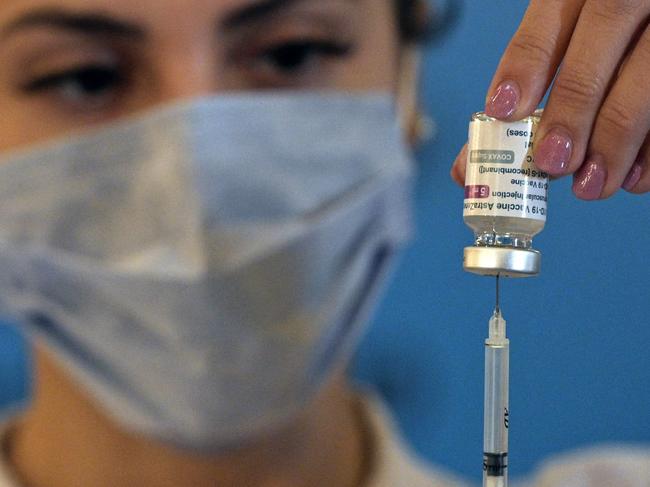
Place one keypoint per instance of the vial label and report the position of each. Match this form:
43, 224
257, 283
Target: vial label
502, 179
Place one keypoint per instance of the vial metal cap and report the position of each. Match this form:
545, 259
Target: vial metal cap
504, 261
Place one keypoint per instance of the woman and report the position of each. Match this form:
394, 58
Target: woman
195, 273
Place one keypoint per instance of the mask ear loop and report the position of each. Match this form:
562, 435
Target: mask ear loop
417, 126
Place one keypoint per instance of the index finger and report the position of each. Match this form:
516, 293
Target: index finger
532, 58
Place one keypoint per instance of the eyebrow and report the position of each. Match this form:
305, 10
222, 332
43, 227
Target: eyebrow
84, 23
256, 11
103, 24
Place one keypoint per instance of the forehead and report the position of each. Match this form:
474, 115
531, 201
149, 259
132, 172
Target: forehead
142, 10
148, 11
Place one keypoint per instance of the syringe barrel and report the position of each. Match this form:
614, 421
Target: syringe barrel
496, 412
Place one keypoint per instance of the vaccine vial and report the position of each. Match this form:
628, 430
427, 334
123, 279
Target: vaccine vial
505, 197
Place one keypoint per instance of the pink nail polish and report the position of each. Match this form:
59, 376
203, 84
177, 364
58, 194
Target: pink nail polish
503, 103
632, 177
589, 181
553, 153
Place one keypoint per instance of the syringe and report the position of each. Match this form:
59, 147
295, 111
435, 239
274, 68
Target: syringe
495, 433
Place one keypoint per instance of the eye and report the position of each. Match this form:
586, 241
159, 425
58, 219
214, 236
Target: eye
295, 63
89, 84
295, 55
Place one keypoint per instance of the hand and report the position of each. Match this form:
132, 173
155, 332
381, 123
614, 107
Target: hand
597, 120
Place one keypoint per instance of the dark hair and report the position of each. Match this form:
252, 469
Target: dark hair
425, 20
414, 20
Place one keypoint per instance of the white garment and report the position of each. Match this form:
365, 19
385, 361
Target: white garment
6, 477
603, 466
396, 466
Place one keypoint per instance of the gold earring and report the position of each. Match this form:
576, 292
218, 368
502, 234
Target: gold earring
422, 129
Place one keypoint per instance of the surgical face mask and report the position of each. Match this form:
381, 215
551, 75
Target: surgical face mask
201, 269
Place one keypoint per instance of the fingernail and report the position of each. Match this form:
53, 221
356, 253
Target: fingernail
553, 153
632, 177
503, 103
589, 181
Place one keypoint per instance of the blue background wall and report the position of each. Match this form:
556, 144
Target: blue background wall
580, 333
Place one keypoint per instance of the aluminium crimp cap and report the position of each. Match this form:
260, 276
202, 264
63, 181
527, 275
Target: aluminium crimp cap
502, 261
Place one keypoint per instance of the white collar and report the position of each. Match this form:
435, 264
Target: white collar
393, 462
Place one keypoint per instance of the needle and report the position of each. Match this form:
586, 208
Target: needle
497, 309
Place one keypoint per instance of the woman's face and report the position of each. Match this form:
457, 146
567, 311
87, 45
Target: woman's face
69, 64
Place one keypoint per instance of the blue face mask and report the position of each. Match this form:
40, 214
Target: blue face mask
200, 270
